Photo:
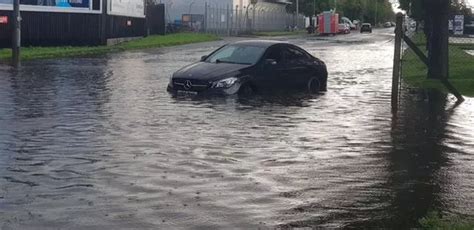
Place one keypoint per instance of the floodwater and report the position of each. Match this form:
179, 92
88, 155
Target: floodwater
98, 143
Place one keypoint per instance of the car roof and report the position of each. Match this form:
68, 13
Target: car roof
366, 24
259, 43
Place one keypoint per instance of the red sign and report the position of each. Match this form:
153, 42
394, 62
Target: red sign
3, 19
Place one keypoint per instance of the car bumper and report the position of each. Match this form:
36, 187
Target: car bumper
209, 91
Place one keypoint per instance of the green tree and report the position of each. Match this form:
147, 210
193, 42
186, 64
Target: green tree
434, 15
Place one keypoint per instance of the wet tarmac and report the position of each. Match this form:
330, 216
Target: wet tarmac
98, 143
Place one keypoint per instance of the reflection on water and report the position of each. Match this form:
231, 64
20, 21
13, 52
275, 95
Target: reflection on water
98, 143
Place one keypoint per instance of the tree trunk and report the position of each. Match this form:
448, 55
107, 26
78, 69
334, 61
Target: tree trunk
438, 39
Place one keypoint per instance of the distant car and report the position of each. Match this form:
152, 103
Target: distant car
387, 25
249, 67
366, 27
344, 28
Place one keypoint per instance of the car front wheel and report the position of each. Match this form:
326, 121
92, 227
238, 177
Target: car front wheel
246, 90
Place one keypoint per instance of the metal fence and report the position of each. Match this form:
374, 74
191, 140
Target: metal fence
460, 61
233, 21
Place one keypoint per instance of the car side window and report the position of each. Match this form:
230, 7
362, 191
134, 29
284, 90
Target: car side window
276, 54
294, 55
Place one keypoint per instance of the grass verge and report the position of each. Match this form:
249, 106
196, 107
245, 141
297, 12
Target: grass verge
461, 69
30, 53
433, 221
279, 33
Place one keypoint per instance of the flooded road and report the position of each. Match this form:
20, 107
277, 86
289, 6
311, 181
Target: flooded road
98, 143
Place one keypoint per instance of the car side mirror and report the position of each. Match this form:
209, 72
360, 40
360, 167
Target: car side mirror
270, 62
203, 58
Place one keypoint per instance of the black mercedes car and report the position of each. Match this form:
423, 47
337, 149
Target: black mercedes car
248, 67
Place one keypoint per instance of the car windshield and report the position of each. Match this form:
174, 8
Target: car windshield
237, 54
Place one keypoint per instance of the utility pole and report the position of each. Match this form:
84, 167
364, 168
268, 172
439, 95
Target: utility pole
297, 12
335, 5
376, 12
16, 38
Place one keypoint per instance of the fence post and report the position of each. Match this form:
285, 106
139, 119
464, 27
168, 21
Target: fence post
396, 62
103, 23
16, 38
218, 20
253, 29
205, 17
227, 20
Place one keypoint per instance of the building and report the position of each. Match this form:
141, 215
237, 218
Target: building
228, 16
176, 8
74, 22
247, 2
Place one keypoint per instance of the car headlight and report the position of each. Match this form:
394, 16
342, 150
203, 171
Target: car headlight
225, 83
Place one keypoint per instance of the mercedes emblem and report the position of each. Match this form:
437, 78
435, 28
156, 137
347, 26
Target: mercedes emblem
188, 85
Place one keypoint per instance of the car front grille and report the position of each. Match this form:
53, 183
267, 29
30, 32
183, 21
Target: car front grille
190, 84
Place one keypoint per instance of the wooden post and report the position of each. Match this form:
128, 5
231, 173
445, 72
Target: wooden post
415, 49
16, 36
438, 39
444, 39
396, 62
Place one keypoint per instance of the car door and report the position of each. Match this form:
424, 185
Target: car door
273, 71
297, 65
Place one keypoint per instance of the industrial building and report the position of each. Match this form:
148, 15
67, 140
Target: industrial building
176, 8
230, 16
76, 22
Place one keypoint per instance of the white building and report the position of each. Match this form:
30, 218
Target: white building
176, 8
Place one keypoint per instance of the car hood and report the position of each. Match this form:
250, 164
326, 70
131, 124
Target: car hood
208, 71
